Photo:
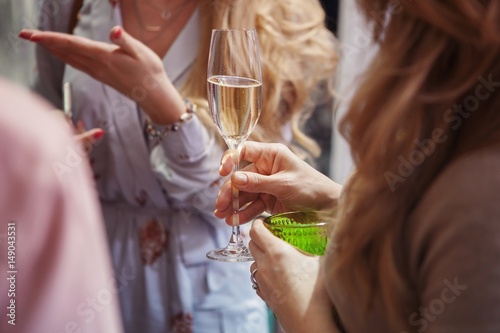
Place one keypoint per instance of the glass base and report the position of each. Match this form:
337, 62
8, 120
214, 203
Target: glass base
230, 254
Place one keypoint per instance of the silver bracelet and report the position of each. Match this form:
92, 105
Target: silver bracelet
158, 132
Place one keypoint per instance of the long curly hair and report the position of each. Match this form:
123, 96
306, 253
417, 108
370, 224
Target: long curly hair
298, 58
416, 109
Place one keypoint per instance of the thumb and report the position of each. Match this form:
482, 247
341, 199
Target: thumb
124, 40
253, 182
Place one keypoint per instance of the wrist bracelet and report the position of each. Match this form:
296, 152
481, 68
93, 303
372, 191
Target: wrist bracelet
158, 132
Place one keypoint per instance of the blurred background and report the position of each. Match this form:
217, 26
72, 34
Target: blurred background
17, 63
17, 59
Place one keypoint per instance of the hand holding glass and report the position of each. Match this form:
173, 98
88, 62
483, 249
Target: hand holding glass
234, 96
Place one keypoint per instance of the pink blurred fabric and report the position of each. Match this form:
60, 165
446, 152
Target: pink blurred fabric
63, 280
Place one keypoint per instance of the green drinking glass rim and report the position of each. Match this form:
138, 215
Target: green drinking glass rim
267, 221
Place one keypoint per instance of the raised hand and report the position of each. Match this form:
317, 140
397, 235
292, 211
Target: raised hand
127, 65
275, 181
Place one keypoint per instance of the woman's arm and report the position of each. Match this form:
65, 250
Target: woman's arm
188, 161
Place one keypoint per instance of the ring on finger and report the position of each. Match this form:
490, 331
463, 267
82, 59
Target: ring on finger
255, 285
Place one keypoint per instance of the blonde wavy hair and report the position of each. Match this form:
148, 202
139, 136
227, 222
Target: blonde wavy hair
298, 58
431, 55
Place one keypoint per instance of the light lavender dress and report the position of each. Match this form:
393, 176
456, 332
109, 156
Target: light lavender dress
157, 203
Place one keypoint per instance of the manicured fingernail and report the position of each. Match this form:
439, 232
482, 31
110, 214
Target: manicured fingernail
240, 178
118, 33
24, 35
98, 134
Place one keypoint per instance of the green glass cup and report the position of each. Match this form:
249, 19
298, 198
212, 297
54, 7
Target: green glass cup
308, 231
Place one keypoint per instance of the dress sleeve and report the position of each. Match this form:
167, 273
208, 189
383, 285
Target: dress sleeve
455, 249
54, 16
187, 163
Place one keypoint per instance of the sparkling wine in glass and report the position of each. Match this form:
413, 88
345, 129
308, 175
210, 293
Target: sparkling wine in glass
234, 96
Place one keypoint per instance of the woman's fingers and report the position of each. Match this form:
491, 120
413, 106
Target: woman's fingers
246, 215
77, 51
26, 34
68, 45
227, 162
77, 61
127, 43
225, 197
258, 252
264, 155
65, 42
224, 201
90, 136
255, 208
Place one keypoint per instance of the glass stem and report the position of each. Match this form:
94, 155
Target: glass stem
236, 239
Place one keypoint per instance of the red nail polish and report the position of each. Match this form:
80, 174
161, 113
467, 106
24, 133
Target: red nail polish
118, 33
98, 135
24, 35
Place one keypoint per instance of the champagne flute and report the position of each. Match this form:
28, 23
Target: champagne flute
234, 95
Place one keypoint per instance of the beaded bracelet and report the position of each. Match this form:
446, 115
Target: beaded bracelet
158, 132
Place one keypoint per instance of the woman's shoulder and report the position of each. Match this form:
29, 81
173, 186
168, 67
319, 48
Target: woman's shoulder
470, 181
461, 206
452, 248
459, 211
